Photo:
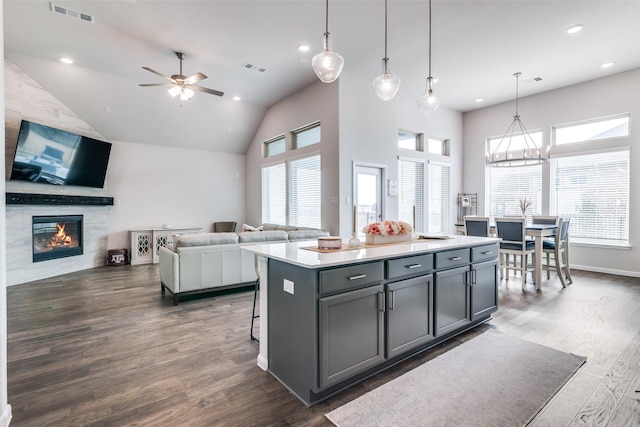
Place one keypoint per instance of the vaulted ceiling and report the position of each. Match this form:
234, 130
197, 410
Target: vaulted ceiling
476, 47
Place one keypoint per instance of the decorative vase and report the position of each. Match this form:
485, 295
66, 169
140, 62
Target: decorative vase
377, 239
354, 241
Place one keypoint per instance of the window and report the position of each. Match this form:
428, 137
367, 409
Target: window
508, 185
409, 140
306, 136
274, 146
438, 198
592, 130
438, 146
593, 190
305, 192
291, 193
411, 192
274, 194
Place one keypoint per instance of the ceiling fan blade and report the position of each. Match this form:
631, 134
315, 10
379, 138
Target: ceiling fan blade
195, 78
158, 73
155, 84
204, 89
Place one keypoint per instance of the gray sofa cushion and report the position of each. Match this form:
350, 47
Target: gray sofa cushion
306, 234
262, 236
204, 239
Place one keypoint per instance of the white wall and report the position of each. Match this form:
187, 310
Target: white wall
154, 185
602, 97
369, 134
317, 102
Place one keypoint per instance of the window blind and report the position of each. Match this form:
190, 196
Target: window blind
274, 194
306, 136
438, 198
411, 192
305, 190
508, 185
593, 190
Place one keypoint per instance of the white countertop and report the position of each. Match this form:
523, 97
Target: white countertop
291, 252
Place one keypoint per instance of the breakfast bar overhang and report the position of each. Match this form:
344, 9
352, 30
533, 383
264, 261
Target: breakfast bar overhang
329, 319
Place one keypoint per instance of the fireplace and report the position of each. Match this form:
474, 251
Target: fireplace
57, 236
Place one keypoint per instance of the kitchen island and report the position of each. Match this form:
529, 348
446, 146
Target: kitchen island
331, 319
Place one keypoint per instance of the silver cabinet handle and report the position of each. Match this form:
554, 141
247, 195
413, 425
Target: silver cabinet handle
392, 300
381, 301
455, 258
414, 266
359, 276
486, 252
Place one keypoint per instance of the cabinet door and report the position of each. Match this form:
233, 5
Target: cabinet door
451, 299
409, 308
351, 333
484, 289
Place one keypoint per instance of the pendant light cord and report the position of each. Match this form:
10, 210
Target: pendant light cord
326, 18
517, 75
429, 38
386, 59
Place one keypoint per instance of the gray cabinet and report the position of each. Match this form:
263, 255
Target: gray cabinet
409, 312
484, 289
343, 317
452, 300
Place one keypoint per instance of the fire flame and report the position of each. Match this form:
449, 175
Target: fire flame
60, 238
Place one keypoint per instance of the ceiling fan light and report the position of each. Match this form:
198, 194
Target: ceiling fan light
175, 91
186, 94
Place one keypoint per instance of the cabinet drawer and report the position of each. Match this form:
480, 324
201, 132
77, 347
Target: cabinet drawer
450, 259
484, 253
339, 279
409, 267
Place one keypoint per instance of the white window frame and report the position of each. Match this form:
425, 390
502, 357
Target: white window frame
417, 216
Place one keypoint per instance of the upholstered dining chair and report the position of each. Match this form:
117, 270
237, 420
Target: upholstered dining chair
544, 219
512, 232
559, 249
476, 226
224, 226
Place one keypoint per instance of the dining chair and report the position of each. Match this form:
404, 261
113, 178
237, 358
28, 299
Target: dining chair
512, 232
224, 226
559, 249
476, 226
544, 219
256, 289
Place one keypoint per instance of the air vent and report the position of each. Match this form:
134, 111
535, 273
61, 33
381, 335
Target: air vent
526, 82
56, 8
254, 67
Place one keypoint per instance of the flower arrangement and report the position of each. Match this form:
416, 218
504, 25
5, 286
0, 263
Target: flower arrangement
524, 204
388, 228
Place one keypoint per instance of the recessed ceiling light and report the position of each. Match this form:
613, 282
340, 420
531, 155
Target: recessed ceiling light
236, 98
66, 60
303, 47
574, 29
479, 100
607, 65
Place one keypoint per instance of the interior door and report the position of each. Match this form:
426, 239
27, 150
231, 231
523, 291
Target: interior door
368, 195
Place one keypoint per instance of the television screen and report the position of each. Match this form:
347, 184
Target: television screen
53, 156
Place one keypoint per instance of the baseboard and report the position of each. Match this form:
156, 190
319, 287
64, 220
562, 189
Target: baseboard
606, 270
263, 363
6, 416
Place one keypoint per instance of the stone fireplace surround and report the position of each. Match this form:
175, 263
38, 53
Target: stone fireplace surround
21, 268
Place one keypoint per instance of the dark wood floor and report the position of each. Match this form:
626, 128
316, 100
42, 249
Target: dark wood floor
103, 347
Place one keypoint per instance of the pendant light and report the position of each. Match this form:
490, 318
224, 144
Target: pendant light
526, 152
386, 84
327, 64
428, 102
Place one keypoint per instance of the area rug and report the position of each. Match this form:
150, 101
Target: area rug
491, 380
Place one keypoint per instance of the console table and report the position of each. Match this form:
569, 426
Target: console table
146, 241
329, 320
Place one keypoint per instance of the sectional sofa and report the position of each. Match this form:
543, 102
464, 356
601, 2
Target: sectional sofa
214, 261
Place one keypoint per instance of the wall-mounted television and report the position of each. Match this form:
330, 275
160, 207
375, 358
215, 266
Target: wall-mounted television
53, 156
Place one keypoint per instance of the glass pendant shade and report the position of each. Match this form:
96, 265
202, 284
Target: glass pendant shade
428, 102
386, 85
186, 94
327, 64
175, 91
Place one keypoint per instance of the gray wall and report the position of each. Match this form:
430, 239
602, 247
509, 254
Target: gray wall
597, 98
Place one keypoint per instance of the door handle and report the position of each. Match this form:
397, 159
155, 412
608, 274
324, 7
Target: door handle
455, 258
486, 252
392, 300
356, 277
414, 266
473, 277
381, 301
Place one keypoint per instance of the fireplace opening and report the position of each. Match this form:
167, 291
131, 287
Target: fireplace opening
56, 236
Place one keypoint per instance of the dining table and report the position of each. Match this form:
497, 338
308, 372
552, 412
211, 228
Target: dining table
538, 232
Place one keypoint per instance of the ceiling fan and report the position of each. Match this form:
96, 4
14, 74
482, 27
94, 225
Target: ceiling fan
182, 85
